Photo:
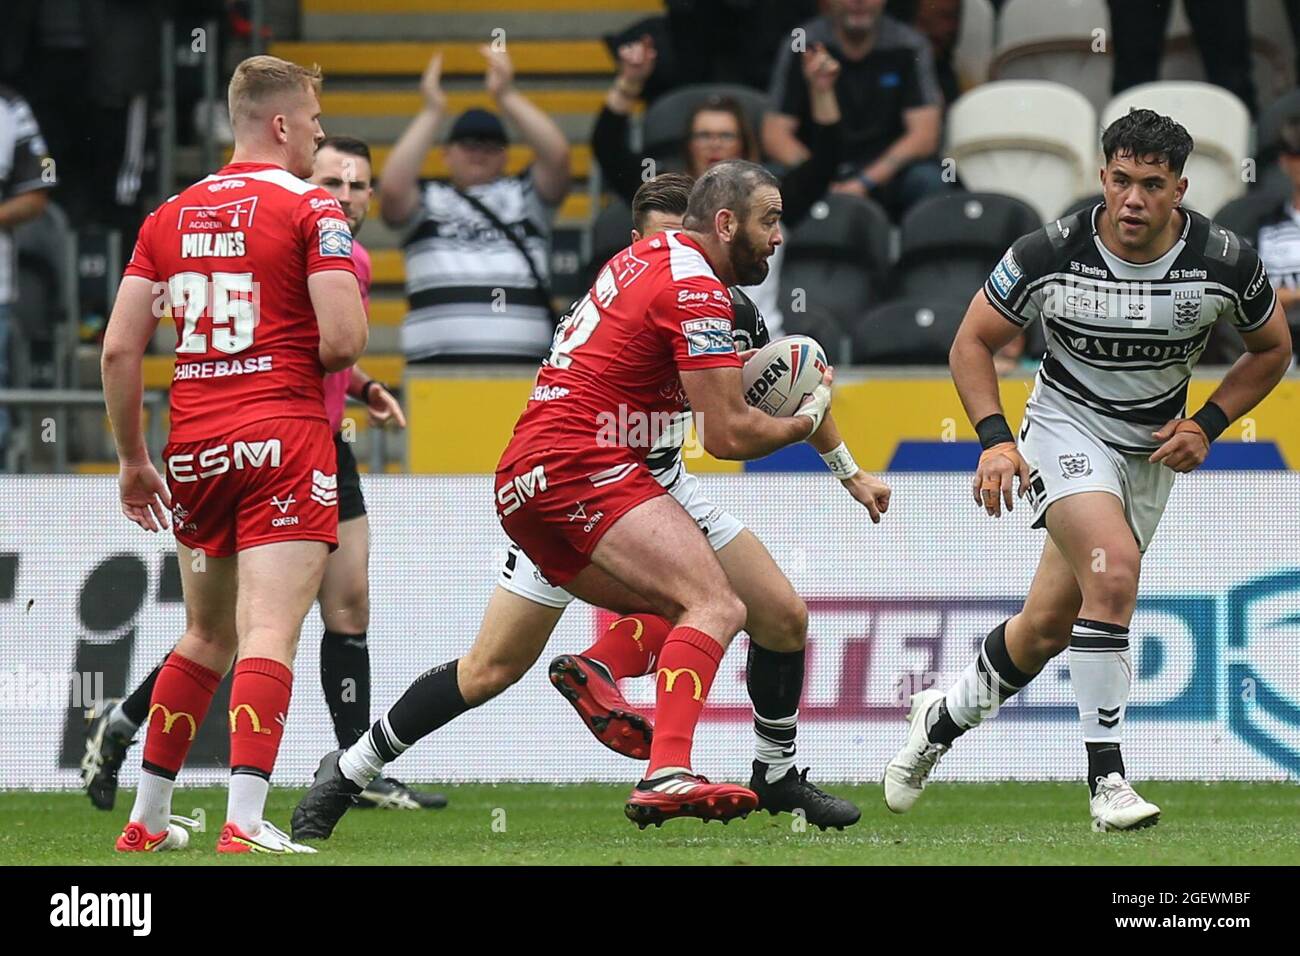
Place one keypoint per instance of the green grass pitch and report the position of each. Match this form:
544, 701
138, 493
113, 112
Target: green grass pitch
1008, 823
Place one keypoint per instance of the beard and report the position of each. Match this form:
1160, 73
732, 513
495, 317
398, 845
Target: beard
748, 261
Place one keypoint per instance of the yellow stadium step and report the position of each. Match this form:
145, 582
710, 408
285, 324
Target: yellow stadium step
481, 6
388, 312
587, 57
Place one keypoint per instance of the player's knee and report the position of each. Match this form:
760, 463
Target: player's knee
1111, 587
786, 628
350, 615
730, 611
215, 635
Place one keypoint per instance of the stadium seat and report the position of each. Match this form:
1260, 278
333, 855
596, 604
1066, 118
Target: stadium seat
1031, 139
665, 119
1055, 41
951, 243
1245, 214
974, 50
1271, 46
1087, 202
821, 324
1218, 122
908, 332
42, 246
611, 231
836, 260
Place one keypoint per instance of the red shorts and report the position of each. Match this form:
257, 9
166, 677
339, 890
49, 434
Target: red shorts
273, 480
557, 505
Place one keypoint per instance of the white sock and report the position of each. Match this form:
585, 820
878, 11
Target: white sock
153, 802
361, 763
247, 803
774, 743
120, 725
986, 682
1101, 673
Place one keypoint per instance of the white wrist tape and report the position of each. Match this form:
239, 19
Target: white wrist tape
840, 461
815, 408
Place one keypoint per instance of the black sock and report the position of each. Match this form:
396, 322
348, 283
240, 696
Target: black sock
944, 730
1103, 760
345, 679
431, 701
136, 705
998, 677
775, 683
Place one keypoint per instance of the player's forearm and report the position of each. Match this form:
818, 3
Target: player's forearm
123, 393
1251, 378
752, 434
357, 383
975, 377
22, 208
828, 437
399, 182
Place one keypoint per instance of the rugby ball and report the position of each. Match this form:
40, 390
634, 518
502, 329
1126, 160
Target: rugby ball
779, 376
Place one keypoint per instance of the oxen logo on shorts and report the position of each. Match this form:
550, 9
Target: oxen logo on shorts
1075, 466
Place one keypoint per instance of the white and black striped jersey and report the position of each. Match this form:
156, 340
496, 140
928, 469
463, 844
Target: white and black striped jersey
468, 288
22, 170
1122, 337
1278, 243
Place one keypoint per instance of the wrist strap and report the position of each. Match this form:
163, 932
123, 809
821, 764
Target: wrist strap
1212, 419
994, 430
365, 392
840, 461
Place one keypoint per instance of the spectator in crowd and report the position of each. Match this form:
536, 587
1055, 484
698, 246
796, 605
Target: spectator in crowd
890, 98
718, 130
939, 21
1138, 28
478, 249
25, 178
1278, 241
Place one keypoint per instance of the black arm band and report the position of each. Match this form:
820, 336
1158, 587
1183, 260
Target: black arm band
365, 392
994, 430
1212, 419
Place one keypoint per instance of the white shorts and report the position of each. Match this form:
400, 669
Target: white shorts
520, 576
1065, 459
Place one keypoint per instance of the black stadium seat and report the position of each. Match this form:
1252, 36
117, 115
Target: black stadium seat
1269, 125
836, 260
1079, 205
665, 120
610, 233
1244, 214
951, 243
908, 332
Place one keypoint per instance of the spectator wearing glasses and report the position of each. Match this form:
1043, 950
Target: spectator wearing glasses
718, 130
478, 247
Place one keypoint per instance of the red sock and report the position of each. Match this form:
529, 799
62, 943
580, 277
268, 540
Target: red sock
180, 700
631, 645
687, 664
259, 706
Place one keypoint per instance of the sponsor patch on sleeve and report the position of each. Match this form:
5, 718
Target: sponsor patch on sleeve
1005, 275
1258, 282
708, 336
335, 238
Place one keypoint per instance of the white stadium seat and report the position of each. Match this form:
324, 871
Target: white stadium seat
1030, 139
974, 50
1056, 41
1219, 124
1271, 46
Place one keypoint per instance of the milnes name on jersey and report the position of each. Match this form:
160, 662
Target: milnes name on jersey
1123, 337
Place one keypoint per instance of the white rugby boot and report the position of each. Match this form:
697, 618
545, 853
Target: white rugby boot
1117, 806
906, 774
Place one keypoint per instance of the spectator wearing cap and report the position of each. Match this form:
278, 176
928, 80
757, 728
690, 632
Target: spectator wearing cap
889, 96
478, 247
1278, 240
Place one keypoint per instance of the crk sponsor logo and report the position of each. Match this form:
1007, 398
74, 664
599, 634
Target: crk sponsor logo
1187, 308
1075, 466
77, 909
711, 336
284, 504
221, 458
518, 490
